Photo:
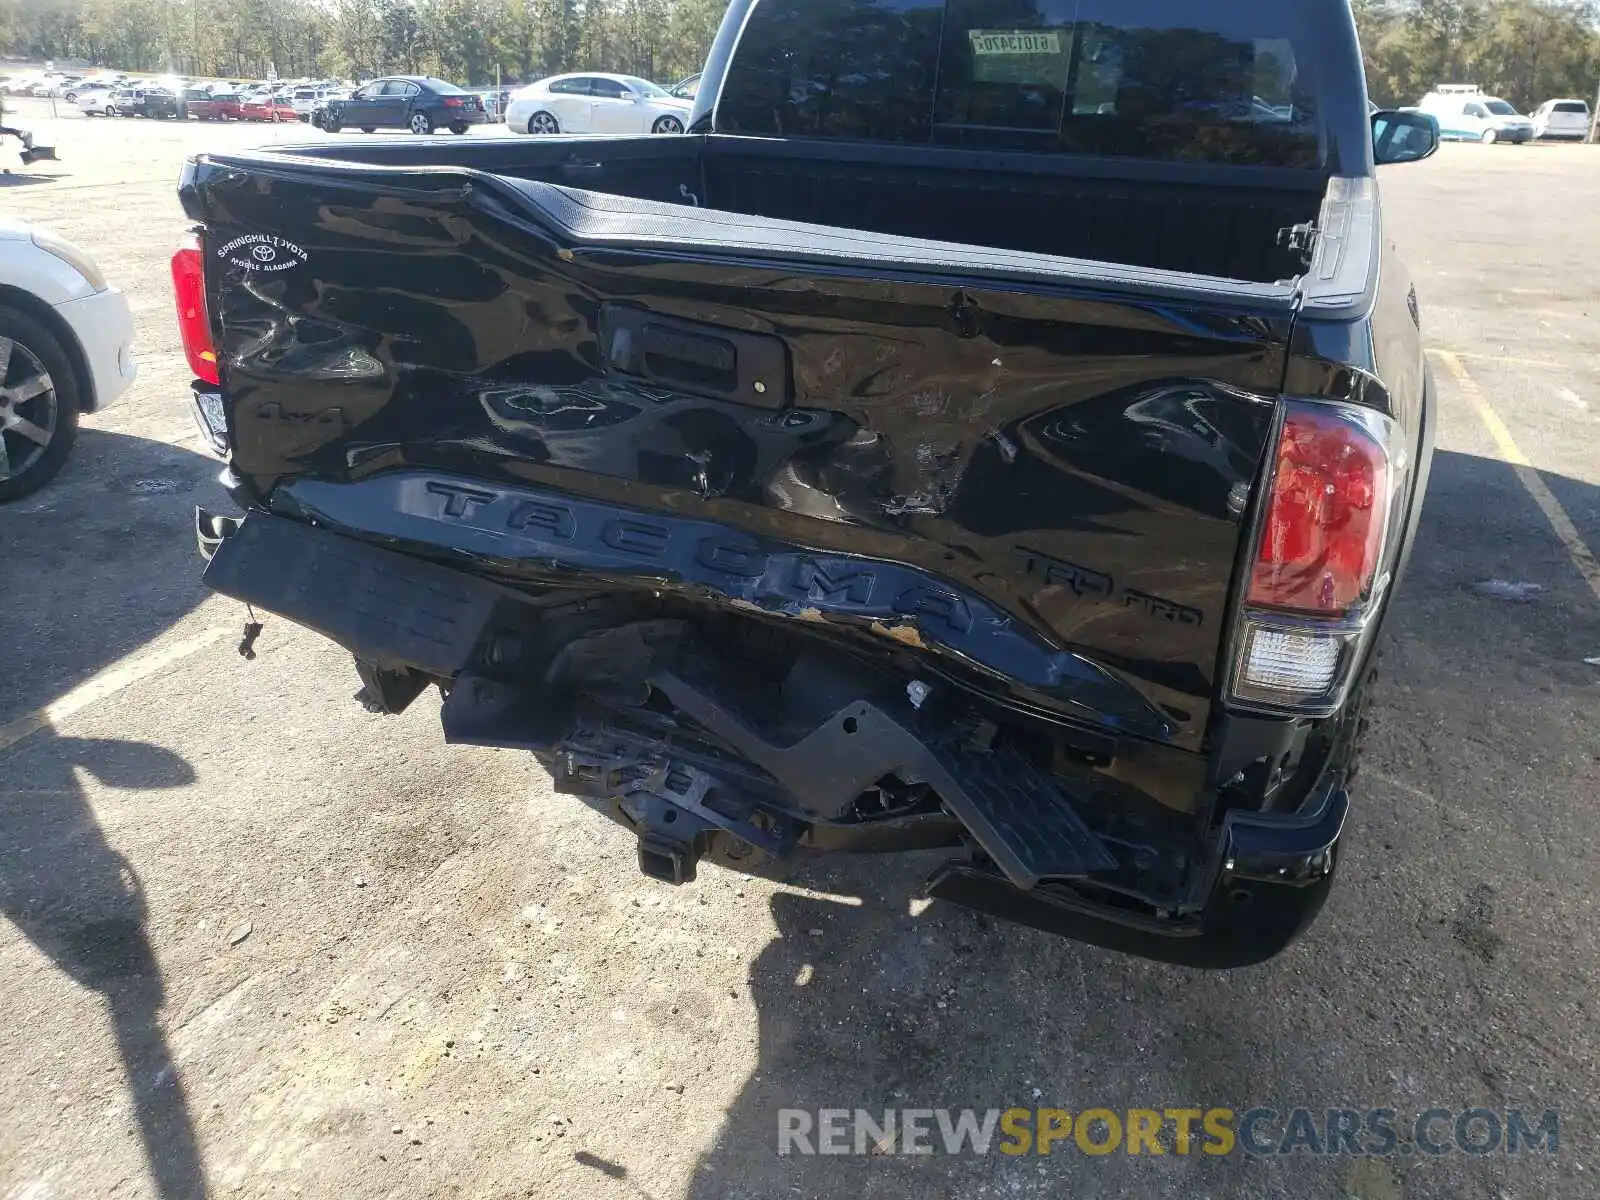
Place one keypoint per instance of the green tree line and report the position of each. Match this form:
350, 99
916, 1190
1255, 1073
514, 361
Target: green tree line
461, 40
1524, 50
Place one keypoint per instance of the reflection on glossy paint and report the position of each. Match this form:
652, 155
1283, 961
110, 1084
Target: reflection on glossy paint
1101, 437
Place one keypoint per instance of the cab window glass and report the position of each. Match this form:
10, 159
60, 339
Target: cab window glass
1161, 79
857, 69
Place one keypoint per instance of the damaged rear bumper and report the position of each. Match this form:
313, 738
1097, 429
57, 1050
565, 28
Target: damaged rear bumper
1272, 877
677, 742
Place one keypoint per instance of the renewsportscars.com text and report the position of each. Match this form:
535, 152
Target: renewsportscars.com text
1355, 1132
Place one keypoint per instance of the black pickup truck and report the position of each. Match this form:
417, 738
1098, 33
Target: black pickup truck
994, 427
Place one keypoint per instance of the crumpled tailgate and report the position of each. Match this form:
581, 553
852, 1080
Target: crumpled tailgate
1065, 448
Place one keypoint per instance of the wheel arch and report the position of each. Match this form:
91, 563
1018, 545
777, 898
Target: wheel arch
27, 302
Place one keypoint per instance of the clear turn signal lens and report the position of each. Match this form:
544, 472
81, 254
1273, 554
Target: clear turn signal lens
1290, 664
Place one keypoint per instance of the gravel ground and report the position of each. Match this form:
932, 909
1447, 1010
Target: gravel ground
260, 943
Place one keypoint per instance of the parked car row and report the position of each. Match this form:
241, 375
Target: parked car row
1466, 113
157, 102
43, 85
587, 102
578, 102
216, 102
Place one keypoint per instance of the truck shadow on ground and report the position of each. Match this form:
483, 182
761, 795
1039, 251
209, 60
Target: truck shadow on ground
97, 564
863, 1002
69, 892
99, 561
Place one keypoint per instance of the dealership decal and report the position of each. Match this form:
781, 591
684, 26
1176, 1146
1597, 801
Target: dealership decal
1016, 41
262, 252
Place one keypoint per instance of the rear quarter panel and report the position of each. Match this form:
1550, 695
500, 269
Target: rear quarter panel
1373, 355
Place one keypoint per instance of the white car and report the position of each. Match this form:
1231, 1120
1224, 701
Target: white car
91, 101
66, 348
593, 103
1464, 113
305, 99
1561, 119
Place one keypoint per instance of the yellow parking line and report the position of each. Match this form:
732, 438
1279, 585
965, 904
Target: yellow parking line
1499, 358
107, 683
1582, 557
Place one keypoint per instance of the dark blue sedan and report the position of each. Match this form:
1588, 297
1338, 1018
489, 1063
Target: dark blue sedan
416, 102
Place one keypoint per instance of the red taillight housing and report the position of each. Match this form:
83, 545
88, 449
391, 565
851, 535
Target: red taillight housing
453, 101
1326, 512
1319, 569
189, 289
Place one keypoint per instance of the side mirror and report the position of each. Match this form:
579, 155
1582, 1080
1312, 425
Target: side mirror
1399, 137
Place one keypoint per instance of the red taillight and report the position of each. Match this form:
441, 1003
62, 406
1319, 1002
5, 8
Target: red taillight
453, 102
189, 287
1326, 512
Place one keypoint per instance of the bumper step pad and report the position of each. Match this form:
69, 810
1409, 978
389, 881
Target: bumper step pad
1021, 817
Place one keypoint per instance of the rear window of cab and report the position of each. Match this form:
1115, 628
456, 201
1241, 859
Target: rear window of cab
1230, 81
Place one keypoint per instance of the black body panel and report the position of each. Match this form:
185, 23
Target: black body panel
1060, 440
853, 492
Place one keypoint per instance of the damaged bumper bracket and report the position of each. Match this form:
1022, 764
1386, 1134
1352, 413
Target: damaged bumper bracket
770, 790
1023, 820
403, 613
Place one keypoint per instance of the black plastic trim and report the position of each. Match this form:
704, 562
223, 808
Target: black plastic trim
1274, 875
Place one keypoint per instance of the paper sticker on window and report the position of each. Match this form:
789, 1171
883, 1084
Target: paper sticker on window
1017, 41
